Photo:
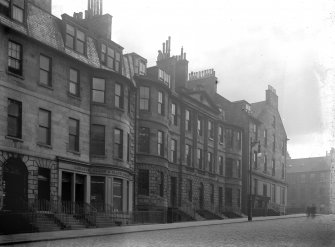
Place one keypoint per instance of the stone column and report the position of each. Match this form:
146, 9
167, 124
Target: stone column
88, 189
130, 195
124, 195
109, 191
60, 184
73, 187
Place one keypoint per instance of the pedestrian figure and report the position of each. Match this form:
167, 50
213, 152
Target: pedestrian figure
313, 211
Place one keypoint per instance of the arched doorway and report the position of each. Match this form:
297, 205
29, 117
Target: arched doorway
15, 178
201, 196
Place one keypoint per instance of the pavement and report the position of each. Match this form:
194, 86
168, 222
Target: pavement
94, 232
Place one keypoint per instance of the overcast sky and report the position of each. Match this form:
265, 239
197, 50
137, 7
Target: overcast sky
289, 44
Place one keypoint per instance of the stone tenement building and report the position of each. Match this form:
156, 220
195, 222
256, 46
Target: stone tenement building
184, 161
67, 111
311, 181
262, 126
90, 135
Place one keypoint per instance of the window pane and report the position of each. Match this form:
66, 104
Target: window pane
110, 52
43, 135
144, 92
110, 62
70, 29
14, 109
80, 46
13, 127
98, 96
117, 136
44, 77
44, 117
117, 56
80, 35
73, 88
98, 84
73, 75
73, 126
73, 143
118, 89
17, 13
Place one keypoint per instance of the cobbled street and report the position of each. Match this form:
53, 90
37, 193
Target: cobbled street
319, 231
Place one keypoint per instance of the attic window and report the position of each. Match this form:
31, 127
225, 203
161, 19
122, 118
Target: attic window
142, 68
163, 76
75, 39
15, 11
110, 57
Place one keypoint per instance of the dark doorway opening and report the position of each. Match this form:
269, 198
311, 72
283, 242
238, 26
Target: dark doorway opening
80, 188
15, 179
43, 184
66, 186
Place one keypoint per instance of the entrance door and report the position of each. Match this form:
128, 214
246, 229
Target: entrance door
98, 193
173, 192
66, 186
80, 189
15, 178
201, 196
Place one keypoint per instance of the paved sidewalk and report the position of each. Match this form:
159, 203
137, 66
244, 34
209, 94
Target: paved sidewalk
91, 232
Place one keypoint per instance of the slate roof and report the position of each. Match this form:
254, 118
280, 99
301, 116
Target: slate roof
47, 29
308, 164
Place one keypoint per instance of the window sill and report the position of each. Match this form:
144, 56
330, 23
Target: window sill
77, 97
99, 156
15, 75
45, 86
44, 145
73, 152
15, 139
77, 52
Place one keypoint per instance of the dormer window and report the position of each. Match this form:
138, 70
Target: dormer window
110, 57
163, 76
75, 39
15, 11
142, 68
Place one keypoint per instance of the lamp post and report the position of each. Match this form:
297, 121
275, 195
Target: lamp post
252, 144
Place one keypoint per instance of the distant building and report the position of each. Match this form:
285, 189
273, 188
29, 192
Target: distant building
311, 181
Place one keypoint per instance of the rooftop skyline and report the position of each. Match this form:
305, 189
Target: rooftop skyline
286, 44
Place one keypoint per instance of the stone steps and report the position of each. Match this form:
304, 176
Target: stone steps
46, 223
